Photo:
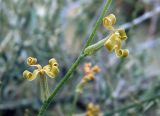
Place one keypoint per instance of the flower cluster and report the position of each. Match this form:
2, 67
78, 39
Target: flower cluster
89, 74
114, 42
51, 69
93, 110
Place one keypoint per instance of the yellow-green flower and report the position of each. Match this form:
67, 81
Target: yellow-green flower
109, 21
114, 41
51, 70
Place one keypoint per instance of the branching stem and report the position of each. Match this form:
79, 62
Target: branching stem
76, 63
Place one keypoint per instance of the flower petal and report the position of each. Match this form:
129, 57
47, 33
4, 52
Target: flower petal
31, 61
109, 21
51, 71
30, 76
53, 62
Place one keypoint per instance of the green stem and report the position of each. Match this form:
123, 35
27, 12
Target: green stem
132, 105
95, 47
44, 88
106, 6
74, 103
74, 65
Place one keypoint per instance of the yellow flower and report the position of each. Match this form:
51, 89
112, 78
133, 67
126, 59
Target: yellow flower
51, 69
31, 61
114, 41
30, 76
109, 21
122, 52
110, 44
122, 33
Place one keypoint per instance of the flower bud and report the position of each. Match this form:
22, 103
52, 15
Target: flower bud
31, 61
122, 33
121, 52
125, 53
53, 62
109, 21
51, 71
30, 76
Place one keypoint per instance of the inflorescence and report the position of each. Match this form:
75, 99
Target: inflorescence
89, 75
114, 41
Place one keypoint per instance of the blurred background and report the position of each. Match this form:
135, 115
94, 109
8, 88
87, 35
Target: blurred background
59, 29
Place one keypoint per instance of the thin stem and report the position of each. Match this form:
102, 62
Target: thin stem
74, 103
106, 6
132, 105
74, 65
44, 88
95, 47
